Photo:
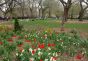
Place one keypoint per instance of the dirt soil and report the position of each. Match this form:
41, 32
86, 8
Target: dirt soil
82, 22
82, 34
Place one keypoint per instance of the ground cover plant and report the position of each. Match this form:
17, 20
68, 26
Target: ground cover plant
42, 46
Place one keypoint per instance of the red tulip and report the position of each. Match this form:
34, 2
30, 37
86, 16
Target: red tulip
33, 52
10, 40
41, 46
1, 43
27, 40
14, 36
55, 58
49, 45
52, 45
79, 56
34, 39
20, 49
30, 60
20, 45
41, 60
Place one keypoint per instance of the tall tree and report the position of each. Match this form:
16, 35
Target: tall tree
2, 2
8, 7
52, 6
74, 10
83, 6
31, 4
67, 5
40, 7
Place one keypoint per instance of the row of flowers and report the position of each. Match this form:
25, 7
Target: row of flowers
42, 46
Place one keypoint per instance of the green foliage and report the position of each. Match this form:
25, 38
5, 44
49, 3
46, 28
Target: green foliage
19, 42
17, 26
1, 50
42, 45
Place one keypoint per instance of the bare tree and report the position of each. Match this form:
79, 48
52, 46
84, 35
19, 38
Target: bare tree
40, 4
42, 7
7, 7
83, 8
67, 5
31, 5
2, 3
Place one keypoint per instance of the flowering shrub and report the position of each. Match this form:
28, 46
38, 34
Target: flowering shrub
44, 46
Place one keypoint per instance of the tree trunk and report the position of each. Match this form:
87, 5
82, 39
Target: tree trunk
22, 13
43, 15
31, 11
50, 12
81, 13
39, 13
71, 16
62, 25
65, 16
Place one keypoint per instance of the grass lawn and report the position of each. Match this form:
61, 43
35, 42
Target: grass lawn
45, 24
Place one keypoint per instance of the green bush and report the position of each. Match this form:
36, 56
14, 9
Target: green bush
17, 25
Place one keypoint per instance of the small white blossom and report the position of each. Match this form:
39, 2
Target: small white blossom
52, 59
53, 54
16, 54
46, 59
39, 49
32, 59
56, 54
60, 39
22, 50
21, 54
57, 40
40, 53
49, 48
45, 36
49, 53
30, 49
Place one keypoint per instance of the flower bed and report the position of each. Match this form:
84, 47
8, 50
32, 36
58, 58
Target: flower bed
44, 46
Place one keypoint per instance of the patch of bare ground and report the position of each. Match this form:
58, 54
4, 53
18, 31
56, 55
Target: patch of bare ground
81, 22
82, 34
